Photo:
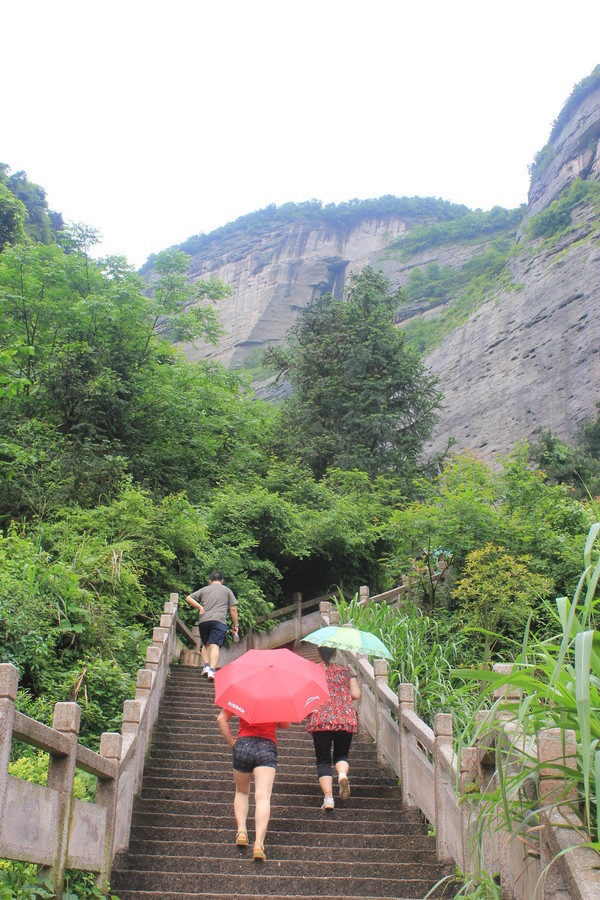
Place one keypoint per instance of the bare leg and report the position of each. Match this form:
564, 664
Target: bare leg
264, 778
326, 782
204, 652
213, 653
241, 799
342, 767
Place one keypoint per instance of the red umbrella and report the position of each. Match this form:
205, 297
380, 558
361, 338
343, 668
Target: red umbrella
271, 686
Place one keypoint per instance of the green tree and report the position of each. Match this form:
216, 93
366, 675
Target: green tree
497, 593
12, 218
361, 397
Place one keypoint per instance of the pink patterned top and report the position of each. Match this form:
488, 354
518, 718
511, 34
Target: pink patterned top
338, 713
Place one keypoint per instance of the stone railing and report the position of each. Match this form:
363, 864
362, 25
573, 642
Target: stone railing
436, 782
45, 824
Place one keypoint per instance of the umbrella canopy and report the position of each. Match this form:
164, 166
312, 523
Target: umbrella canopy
271, 686
343, 638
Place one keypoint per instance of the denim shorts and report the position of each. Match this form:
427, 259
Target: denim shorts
250, 752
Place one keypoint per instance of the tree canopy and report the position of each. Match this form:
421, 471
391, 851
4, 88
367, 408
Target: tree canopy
361, 397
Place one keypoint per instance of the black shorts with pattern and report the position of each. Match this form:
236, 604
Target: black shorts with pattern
250, 752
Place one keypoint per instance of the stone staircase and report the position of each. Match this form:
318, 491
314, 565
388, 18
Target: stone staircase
183, 827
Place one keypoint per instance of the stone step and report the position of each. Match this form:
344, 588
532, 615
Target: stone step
292, 777
445, 892
396, 869
295, 846
183, 826
300, 800
150, 816
266, 882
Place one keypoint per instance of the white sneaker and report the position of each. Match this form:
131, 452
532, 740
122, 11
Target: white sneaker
206, 670
211, 674
328, 803
344, 787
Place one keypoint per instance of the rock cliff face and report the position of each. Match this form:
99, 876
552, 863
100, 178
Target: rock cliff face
573, 151
278, 273
527, 359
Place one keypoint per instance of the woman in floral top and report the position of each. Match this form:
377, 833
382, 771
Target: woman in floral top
333, 724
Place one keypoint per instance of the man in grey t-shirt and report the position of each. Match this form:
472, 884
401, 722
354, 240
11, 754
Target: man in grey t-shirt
213, 602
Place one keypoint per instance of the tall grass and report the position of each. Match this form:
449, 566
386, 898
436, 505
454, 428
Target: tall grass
556, 684
421, 655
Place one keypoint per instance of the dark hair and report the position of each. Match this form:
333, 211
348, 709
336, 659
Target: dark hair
215, 576
326, 654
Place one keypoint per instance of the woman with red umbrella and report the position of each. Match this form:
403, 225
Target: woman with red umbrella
266, 689
254, 753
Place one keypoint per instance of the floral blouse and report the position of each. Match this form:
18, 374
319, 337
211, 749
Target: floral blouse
338, 713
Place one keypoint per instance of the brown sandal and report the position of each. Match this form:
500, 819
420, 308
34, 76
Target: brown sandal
241, 839
259, 852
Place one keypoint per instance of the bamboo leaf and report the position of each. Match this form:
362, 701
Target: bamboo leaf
583, 655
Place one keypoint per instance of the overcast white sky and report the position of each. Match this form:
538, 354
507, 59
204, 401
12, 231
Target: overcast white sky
154, 121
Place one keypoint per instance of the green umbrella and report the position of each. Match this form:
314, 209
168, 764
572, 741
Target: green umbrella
343, 638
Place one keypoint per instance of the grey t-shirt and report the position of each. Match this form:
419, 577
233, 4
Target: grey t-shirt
216, 599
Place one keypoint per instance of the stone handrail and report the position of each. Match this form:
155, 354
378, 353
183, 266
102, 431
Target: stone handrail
435, 781
46, 824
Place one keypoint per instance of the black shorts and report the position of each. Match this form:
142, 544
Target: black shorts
212, 633
250, 752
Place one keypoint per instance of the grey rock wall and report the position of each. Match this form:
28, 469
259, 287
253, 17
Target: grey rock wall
528, 359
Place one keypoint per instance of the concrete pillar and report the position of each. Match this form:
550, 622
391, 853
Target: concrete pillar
61, 775
324, 610
152, 657
9, 683
442, 729
363, 595
107, 792
334, 615
468, 785
406, 703
380, 669
553, 759
143, 684
297, 599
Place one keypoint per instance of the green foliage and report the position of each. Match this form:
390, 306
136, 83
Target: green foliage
37, 223
497, 593
20, 881
575, 466
553, 683
361, 399
458, 291
474, 225
422, 654
468, 506
12, 218
557, 217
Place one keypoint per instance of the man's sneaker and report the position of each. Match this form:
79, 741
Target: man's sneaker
344, 787
328, 803
211, 674
206, 670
